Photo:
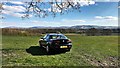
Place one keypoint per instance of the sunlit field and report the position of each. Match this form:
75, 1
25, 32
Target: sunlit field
86, 51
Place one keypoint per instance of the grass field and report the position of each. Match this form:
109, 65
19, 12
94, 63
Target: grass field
86, 51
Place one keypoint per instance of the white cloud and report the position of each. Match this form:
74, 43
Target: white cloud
8, 9
63, 22
14, 8
107, 17
15, 14
98, 17
111, 18
85, 2
76, 21
118, 6
12, 13
70, 22
92, 2
106, 20
106, 0
6, 12
16, 2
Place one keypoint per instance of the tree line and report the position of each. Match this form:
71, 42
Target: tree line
31, 31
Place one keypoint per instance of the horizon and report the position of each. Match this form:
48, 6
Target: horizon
55, 26
96, 13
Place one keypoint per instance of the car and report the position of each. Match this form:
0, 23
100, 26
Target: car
55, 41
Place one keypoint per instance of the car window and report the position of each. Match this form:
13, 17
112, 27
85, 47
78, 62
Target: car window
57, 37
52, 37
62, 37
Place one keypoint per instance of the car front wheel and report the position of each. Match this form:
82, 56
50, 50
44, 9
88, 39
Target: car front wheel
68, 50
40, 45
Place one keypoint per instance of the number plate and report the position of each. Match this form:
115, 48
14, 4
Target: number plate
63, 46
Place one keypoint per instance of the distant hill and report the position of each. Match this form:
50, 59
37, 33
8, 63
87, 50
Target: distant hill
71, 27
93, 26
80, 27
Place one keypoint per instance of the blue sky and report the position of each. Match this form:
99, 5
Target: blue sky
96, 13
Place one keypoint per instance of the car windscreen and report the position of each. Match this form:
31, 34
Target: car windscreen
57, 37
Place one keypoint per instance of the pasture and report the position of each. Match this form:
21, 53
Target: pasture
86, 51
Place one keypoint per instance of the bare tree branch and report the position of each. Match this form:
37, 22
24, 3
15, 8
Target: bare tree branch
41, 9
55, 8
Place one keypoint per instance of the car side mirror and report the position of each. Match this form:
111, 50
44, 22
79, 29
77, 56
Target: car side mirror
41, 38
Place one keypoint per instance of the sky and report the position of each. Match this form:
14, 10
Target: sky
94, 13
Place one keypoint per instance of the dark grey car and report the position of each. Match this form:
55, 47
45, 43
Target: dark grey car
54, 41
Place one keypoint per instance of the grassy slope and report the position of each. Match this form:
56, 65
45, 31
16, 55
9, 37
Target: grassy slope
86, 51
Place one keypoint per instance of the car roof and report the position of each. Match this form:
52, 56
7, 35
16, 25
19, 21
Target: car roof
54, 34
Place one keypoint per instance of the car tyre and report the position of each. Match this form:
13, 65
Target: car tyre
40, 45
68, 50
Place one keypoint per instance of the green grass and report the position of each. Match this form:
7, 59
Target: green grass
86, 51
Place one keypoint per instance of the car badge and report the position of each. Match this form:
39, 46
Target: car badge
63, 41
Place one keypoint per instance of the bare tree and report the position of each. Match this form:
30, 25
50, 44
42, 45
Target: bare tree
1, 8
43, 8
37, 7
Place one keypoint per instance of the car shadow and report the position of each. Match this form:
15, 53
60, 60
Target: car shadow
37, 51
